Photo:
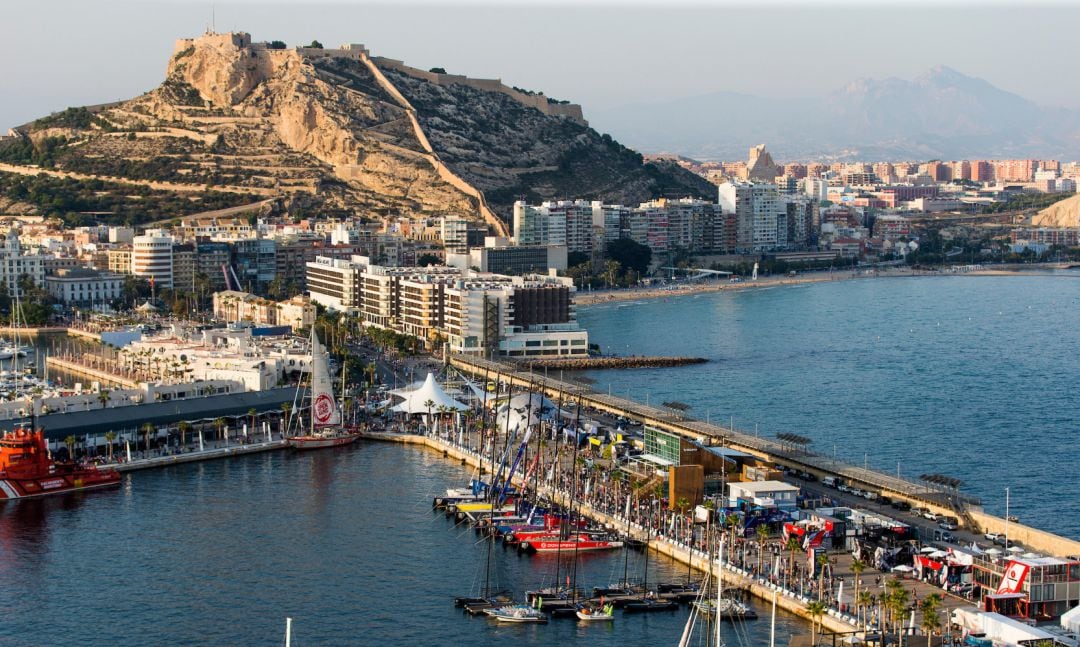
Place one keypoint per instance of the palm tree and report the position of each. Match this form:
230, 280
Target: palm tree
816, 609
857, 567
70, 442
864, 601
147, 429
219, 424
103, 397
792, 545
443, 410
429, 403
730, 522
285, 409
252, 413
184, 427
822, 562
762, 537
896, 600
931, 621
110, 438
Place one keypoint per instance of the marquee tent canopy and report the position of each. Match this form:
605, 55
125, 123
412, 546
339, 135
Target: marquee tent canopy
417, 400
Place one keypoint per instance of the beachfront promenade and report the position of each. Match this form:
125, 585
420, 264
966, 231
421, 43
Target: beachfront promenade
942, 501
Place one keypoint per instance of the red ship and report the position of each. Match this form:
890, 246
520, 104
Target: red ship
26, 470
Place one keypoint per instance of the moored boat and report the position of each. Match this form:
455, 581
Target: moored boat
601, 613
326, 428
573, 543
27, 470
517, 614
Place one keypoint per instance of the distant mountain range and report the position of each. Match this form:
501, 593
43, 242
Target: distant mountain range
941, 114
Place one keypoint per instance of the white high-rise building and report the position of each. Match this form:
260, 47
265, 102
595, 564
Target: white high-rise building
760, 214
151, 257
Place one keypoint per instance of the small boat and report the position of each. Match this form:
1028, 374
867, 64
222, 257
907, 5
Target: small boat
27, 470
729, 609
649, 605
517, 613
605, 613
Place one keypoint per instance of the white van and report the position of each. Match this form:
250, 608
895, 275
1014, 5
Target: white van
829, 481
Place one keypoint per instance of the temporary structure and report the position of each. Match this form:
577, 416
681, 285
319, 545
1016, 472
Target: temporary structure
428, 398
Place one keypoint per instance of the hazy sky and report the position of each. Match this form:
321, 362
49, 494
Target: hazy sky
59, 53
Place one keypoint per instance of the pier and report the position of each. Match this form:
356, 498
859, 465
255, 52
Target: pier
950, 502
732, 575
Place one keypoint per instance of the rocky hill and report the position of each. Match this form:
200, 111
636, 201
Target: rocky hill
336, 130
1061, 214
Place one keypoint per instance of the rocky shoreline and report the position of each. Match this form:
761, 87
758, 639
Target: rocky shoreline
593, 363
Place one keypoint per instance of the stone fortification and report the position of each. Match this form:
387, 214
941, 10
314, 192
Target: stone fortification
537, 101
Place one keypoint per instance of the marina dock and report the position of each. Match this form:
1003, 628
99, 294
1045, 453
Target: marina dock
950, 502
697, 559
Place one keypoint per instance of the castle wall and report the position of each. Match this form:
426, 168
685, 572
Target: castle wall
540, 102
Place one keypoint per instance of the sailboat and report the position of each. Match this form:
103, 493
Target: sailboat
326, 427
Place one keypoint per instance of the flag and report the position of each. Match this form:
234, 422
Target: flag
567, 581
151, 282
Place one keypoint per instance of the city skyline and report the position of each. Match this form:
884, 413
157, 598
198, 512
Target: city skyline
611, 55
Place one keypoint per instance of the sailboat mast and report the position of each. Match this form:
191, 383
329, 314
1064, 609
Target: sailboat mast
314, 361
573, 496
719, 593
344, 364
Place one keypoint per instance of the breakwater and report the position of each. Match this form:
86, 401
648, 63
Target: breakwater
953, 503
592, 363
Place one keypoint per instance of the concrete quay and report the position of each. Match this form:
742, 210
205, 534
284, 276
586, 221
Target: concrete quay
205, 455
966, 508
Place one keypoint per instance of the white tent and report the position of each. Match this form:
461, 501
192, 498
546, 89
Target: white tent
1070, 620
417, 401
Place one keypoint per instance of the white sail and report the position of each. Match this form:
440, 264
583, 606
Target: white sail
324, 409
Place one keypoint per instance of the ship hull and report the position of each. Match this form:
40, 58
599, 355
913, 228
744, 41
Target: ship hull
25, 488
319, 442
550, 546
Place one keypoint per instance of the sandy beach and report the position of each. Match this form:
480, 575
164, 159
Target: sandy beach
678, 289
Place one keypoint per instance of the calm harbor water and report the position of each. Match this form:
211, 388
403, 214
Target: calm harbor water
344, 541
974, 377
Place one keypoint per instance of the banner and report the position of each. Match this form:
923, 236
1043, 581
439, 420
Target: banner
1012, 581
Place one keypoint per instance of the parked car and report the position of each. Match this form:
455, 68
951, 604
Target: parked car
856, 491
948, 525
884, 500
901, 505
873, 496
929, 515
991, 536
843, 487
